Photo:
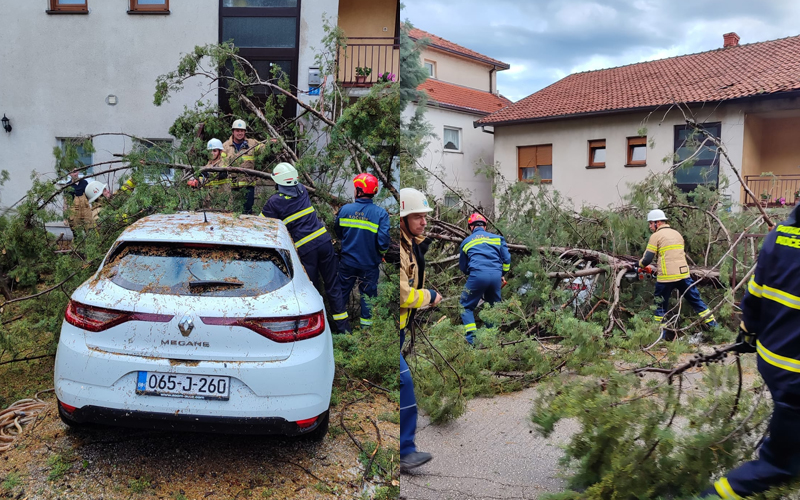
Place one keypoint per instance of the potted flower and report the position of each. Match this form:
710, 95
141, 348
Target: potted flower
386, 77
797, 196
361, 74
765, 198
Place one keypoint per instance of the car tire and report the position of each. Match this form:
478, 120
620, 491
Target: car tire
318, 434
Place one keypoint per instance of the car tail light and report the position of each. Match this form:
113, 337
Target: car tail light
97, 319
280, 330
67, 408
306, 422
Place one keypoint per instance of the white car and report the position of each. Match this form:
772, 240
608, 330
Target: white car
195, 325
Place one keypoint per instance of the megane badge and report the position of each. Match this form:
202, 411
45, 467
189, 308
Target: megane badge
186, 326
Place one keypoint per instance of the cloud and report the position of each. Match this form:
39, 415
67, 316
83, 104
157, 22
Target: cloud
545, 40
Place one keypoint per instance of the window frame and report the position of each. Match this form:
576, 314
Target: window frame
633, 142
77, 141
444, 144
432, 72
136, 8
594, 145
715, 163
537, 163
57, 8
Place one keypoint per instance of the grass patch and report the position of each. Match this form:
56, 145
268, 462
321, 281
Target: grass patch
139, 485
12, 481
390, 416
58, 467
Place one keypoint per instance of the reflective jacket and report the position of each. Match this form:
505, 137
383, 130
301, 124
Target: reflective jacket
363, 228
667, 244
483, 252
412, 277
771, 304
300, 218
242, 155
213, 179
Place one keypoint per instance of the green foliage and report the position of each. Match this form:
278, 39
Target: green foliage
139, 485
386, 457
58, 467
11, 481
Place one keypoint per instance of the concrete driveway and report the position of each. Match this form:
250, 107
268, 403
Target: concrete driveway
490, 452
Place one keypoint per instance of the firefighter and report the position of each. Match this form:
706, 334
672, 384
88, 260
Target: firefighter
96, 193
485, 259
413, 208
79, 212
363, 229
240, 152
292, 205
217, 182
771, 319
673, 272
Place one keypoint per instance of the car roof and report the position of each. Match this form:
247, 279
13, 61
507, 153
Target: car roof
221, 228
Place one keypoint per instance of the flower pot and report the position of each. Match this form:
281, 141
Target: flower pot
361, 79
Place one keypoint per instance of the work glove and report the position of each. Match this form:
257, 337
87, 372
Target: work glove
193, 183
504, 283
745, 341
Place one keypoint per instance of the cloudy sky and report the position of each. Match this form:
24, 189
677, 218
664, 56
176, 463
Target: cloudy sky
546, 40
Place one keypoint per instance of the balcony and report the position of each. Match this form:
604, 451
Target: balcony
772, 190
380, 54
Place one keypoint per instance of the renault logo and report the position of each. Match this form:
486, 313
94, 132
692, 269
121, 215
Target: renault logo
186, 326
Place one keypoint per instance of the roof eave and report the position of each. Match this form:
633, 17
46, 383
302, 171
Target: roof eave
498, 65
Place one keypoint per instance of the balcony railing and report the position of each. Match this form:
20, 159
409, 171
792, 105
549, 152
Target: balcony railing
772, 190
380, 54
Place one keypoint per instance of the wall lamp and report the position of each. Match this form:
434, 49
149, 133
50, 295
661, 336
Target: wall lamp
6, 123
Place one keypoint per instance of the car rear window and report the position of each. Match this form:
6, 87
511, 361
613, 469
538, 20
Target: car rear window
227, 271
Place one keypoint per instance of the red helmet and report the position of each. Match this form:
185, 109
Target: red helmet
476, 217
367, 182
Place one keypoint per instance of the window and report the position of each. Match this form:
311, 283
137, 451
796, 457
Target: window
452, 139
597, 153
150, 6
535, 162
637, 151
69, 6
76, 154
451, 200
156, 151
703, 168
431, 67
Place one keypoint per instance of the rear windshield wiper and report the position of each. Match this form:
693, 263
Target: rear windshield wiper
200, 283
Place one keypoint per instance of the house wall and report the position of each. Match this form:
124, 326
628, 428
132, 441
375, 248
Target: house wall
457, 169
780, 146
607, 186
55, 83
459, 70
751, 150
312, 13
368, 18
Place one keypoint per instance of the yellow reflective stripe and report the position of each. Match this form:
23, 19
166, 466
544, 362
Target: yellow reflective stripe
218, 182
248, 158
366, 322
491, 241
359, 224
403, 319
420, 299
725, 491
244, 184
470, 327
340, 316
652, 248
662, 277
262, 215
411, 298
318, 232
770, 357
786, 299
299, 214
709, 320
753, 287
670, 247
788, 241
658, 318
705, 313
506, 267
788, 229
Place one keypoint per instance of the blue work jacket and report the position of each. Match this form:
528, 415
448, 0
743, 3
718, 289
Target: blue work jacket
363, 228
771, 304
483, 252
307, 231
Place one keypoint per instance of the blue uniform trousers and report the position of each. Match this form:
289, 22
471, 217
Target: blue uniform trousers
664, 291
321, 261
367, 286
480, 285
779, 456
408, 406
249, 193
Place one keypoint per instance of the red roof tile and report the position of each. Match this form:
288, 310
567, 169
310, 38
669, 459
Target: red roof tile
448, 46
717, 75
467, 99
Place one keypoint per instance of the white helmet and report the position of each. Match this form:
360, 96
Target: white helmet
214, 144
656, 215
94, 189
413, 202
284, 174
239, 124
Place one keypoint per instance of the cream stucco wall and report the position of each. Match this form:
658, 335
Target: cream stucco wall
57, 70
312, 13
457, 169
461, 71
607, 186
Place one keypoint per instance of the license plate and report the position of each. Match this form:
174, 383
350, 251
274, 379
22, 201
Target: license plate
178, 385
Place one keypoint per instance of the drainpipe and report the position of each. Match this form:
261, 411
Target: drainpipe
491, 89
